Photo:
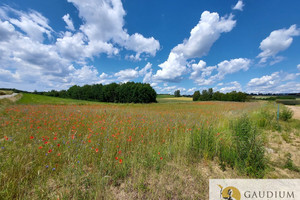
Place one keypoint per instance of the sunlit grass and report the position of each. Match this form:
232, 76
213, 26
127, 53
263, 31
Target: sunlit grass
171, 99
41, 99
77, 151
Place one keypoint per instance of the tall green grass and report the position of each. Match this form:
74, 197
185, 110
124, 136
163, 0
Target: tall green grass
94, 147
41, 99
243, 149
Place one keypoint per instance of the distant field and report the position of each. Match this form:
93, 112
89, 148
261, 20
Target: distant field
41, 99
159, 96
264, 97
261, 97
57, 148
286, 100
172, 99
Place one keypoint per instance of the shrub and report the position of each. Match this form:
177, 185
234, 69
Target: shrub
265, 118
249, 148
196, 96
286, 114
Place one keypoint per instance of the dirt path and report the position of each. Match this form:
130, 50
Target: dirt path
8, 96
296, 110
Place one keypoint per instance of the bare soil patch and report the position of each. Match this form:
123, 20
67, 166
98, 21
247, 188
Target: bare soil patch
278, 155
175, 181
296, 110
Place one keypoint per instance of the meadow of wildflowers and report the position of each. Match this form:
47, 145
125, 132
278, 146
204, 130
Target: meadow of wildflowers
76, 151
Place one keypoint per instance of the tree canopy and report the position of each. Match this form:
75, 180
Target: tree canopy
209, 95
129, 92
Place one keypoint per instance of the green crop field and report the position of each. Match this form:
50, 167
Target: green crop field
53, 148
172, 99
40, 99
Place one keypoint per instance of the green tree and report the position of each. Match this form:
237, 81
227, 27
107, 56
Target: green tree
177, 93
205, 95
129, 92
217, 96
110, 92
196, 95
210, 93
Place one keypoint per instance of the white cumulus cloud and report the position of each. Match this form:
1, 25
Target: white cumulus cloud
33, 23
202, 75
277, 82
30, 62
69, 22
202, 37
232, 66
232, 86
172, 69
239, 5
126, 75
191, 90
277, 41
104, 22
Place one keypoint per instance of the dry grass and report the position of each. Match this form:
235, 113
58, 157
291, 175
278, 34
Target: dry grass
278, 149
6, 92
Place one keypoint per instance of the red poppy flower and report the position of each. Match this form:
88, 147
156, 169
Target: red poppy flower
50, 150
58, 145
55, 138
40, 147
120, 161
161, 158
31, 137
116, 158
97, 150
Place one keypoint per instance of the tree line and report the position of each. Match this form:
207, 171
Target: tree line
129, 92
210, 95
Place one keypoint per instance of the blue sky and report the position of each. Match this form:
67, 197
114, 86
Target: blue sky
250, 46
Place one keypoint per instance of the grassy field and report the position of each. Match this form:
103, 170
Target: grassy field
172, 99
66, 149
264, 97
41, 99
